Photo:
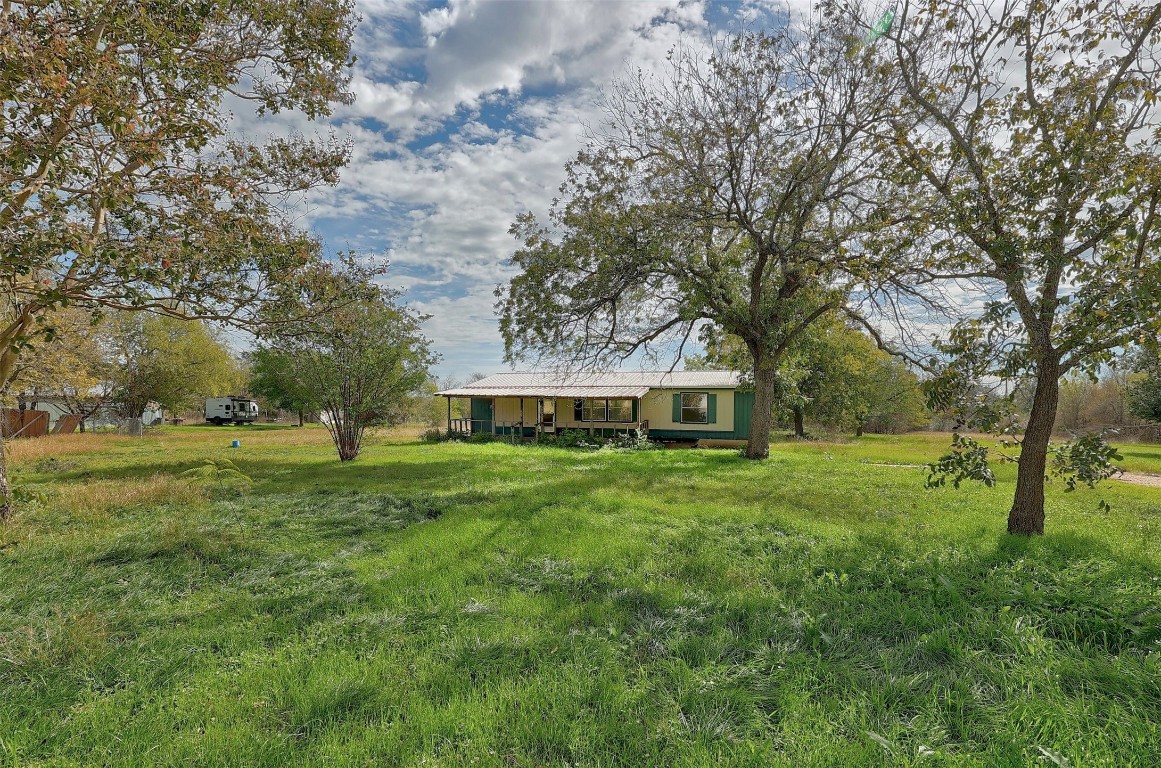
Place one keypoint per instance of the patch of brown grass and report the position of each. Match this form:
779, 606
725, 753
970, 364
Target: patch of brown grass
21, 451
95, 499
60, 639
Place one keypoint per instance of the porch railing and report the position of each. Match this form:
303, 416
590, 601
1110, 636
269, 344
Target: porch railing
515, 429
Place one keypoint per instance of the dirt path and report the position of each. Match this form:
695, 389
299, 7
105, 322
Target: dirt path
1139, 478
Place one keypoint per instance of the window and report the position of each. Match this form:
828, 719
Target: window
594, 410
694, 408
620, 410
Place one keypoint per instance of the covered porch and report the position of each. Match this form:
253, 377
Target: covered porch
528, 413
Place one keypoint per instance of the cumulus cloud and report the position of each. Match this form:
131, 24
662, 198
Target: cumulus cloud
465, 115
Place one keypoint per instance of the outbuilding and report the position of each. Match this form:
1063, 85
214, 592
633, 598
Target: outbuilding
661, 405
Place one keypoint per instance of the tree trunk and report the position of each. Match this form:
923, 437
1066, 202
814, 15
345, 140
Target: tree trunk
300, 417
758, 445
859, 430
5, 489
799, 426
1027, 514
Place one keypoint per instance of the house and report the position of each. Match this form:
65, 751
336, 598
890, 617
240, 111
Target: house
663, 405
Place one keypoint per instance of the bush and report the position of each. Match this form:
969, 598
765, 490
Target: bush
437, 435
631, 442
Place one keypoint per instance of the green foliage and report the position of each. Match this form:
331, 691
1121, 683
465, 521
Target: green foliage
222, 474
124, 187
967, 460
1144, 392
359, 364
437, 435
174, 362
273, 377
1087, 459
1038, 183
834, 375
630, 442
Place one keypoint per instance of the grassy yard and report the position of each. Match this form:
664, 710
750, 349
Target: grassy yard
498, 605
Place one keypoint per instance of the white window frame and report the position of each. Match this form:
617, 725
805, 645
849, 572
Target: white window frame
704, 408
609, 410
587, 409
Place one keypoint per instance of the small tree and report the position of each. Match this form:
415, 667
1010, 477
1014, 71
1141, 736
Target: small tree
1027, 136
727, 191
357, 365
73, 365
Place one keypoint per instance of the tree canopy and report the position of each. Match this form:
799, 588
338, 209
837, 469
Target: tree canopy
358, 365
727, 190
173, 362
834, 375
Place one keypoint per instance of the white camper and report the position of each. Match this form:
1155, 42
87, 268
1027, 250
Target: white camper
223, 410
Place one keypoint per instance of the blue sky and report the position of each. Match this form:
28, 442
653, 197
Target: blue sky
465, 114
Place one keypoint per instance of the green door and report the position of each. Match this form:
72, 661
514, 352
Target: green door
481, 414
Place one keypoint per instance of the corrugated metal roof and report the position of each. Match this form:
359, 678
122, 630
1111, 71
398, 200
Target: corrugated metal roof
565, 392
545, 384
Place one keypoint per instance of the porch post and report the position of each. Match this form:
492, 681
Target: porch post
521, 419
539, 419
449, 415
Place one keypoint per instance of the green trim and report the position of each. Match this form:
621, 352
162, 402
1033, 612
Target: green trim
635, 417
743, 414
481, 414
676, 407
712, 408
692, 434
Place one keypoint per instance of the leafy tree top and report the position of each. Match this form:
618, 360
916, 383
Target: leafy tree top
120, 184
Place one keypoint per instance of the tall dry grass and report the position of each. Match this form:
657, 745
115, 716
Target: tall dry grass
96, 499
22, 451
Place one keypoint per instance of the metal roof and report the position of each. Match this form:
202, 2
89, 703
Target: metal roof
566, 392
603, 384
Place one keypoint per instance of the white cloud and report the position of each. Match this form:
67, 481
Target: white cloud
464, 117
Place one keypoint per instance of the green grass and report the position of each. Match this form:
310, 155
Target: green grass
499, 605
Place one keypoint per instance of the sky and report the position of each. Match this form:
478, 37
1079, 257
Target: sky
465, 114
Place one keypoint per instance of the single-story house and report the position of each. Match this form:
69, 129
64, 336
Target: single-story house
662, 405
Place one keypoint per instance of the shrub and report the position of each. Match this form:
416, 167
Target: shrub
631, 442
437, 435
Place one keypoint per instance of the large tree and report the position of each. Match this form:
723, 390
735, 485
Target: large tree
120, 184
358, 365
173, 362
1027, 132
272, 377
728, 190
1143, 394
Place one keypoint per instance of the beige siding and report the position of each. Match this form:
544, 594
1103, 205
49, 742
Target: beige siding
508, 410
657, 407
